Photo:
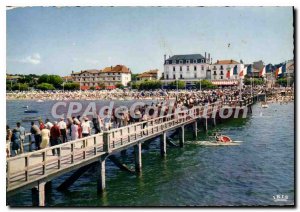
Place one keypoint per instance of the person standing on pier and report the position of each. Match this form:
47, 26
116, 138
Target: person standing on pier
63, 130
15, 139
35, 130
22, 136
8, 140
86, 129
74, 131
55, 137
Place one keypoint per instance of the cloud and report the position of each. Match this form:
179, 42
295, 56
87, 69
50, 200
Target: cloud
32, 59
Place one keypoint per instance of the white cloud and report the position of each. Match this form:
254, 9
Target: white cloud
32, 59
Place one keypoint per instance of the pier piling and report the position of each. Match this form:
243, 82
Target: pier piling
101, 176
195, 128
138, 157
163, 144
38, 195
181, 136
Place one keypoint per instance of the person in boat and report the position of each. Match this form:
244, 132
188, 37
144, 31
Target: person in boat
223, 138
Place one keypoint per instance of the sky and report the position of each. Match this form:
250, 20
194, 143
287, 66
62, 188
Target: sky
51, 40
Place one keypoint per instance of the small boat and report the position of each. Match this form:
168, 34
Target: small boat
264, 105
30, 118
224, 139
30, 111
40, 100
25, 106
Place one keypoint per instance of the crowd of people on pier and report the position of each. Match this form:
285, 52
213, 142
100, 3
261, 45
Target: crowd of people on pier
51, 133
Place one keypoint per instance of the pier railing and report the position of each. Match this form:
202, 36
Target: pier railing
33, 166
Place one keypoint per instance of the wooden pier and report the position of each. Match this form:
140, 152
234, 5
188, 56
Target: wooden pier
34, 169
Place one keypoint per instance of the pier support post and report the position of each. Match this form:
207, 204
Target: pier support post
181, 136
214, 123
205, 124
195, 126
138, 157
163, 144
38, 195
101, 176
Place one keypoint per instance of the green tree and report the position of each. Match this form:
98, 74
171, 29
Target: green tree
20, 87
205, 84
149, 85
119, 85
55, 80
181, 84
282, 81
45, 86
71, 86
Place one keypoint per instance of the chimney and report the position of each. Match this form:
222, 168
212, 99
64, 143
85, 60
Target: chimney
208, 56
72, 72
205, 56
110, 67
165, 57
210, 61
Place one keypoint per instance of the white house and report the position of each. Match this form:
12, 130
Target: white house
227, 69
188, 68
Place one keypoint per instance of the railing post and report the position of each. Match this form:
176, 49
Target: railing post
106, 142
84, 148
26, 168
59, 158
95, 146
44, 162
7, 173
72, 153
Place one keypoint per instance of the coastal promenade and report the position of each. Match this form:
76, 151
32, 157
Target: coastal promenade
34, 169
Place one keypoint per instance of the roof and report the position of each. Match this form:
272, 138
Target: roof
91, 71
117, 69
151, 73
186, 57
225, 62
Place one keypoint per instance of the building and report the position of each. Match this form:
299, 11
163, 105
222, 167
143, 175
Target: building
108, 77
149, 75
116, 75
188, 68
227, 69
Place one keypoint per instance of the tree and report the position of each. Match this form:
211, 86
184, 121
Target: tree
92, 88
20, 87
134, 77
71, 86
282, 81
148, 85
119, 85
45, 86
135, 85
205, 84
254, 81
181, 84
55, 80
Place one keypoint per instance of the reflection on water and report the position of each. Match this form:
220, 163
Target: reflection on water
247, 174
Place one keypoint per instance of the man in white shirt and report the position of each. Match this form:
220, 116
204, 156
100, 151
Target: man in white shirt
86, 129
48, 124
63, 129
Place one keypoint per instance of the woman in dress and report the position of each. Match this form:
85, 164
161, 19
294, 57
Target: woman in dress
45, 133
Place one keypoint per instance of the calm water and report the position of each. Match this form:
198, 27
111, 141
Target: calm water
248, 174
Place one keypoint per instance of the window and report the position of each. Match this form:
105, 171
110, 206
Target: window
180, 76
195, 68
221, 77
180, 68
202, 68
180, 61
194, 61
174, 76
187, 68
187, 61
167, 76
173, 68
221, 67
221, 72
202, 61
215, 73
167, 62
